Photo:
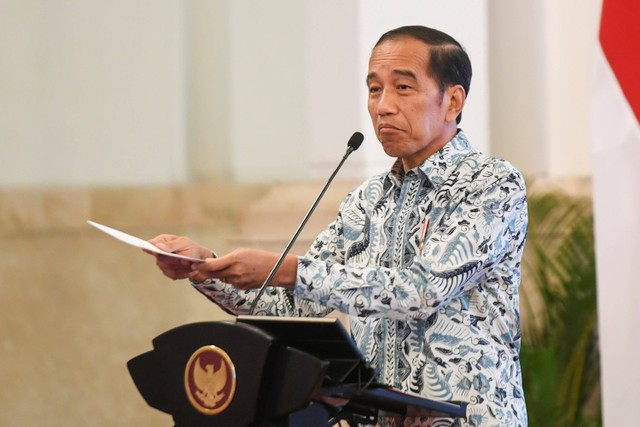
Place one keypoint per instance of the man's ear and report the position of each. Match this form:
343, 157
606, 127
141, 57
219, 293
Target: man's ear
456, 96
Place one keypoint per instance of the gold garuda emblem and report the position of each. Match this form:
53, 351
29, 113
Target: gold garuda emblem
210, 380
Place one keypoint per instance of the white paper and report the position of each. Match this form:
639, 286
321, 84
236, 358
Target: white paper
137, 242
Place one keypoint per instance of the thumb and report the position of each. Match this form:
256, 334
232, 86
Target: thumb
162, 246
210, 266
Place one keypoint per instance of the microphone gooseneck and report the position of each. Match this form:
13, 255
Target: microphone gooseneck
354, 143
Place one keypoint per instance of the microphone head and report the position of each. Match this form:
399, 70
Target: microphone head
355, 141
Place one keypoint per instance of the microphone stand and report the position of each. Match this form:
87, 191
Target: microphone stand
353, 145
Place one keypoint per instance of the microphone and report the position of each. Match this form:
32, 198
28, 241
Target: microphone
354, 143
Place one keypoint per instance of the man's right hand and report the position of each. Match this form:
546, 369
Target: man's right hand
176, 268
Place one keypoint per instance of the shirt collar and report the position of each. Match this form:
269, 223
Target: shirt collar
439, 165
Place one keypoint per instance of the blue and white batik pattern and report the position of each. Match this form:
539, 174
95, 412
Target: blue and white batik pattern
442, 321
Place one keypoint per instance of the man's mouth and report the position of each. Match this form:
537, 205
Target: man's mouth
386, 128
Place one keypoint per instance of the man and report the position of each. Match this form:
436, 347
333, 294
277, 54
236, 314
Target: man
425, 259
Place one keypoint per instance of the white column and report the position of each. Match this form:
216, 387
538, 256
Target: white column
570, 37
267, 84
519, 130
208, 91
541, 70
333, 86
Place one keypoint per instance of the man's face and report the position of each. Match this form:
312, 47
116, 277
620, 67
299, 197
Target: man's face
408, 112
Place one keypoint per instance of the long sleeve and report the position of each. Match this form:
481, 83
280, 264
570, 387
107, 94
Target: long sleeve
440, 320
273, 302
373, 265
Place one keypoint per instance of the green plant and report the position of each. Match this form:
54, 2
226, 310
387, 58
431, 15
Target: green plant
559, 354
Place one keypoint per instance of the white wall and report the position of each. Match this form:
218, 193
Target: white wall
266, 100
91, 93
273, 88
141, 92
297, 83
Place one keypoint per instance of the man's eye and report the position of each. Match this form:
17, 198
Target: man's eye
374, 89
404, 87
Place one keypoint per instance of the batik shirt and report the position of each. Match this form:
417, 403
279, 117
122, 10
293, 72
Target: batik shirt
426, 263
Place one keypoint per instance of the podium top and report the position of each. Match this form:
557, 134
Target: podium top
325, 338
352, 379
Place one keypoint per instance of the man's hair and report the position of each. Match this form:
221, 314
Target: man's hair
448, 62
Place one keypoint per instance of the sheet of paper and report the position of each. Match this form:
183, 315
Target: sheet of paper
137, 242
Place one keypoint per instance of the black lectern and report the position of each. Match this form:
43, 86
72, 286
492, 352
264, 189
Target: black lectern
261, 371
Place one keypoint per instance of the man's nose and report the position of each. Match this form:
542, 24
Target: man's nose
386, 103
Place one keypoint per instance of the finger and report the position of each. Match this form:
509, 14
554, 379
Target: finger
168, 265
170, 243
222, 275
213, 267
162, 238
167, 259
158, 242
162, 246
176, 273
